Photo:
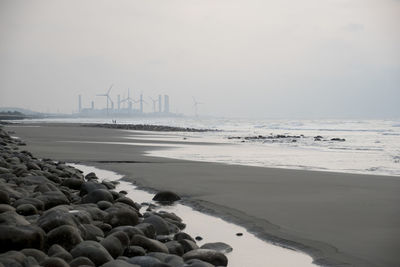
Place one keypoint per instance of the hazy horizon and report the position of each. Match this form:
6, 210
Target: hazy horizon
264, 59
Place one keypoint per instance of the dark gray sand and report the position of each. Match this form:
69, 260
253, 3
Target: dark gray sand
339, 219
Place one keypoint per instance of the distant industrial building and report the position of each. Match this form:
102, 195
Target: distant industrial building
166, 103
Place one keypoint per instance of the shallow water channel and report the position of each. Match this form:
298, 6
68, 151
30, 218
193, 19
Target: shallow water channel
248, 250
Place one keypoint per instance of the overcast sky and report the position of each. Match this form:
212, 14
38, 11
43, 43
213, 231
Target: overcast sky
259, 58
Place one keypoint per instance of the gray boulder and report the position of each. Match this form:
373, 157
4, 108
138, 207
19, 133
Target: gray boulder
121, 216
92, 250
98, 195
13, 237
149, 244
159, 224
166, 197
66, 236
208, 255
81, 261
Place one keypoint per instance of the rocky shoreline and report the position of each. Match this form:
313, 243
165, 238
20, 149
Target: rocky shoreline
148, 127
53, 215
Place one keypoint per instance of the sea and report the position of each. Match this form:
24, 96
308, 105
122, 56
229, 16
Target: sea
336, 145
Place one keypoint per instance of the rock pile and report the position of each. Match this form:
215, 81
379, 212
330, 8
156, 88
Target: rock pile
53, 215
148, 127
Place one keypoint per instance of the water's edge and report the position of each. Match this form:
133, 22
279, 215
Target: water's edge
197, 207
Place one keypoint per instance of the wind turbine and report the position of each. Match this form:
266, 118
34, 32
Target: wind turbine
108, 97
195, 104
154, 103
129, 100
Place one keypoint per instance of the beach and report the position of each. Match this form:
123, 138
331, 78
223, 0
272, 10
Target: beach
339, 219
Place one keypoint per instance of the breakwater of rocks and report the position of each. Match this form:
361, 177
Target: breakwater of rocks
53, 215
148, 127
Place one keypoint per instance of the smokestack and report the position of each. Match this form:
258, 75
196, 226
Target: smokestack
141, 103
166, 103
159, 103
92, 105
119, 102
80, 103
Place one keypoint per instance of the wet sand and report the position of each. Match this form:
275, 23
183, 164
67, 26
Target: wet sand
339, 219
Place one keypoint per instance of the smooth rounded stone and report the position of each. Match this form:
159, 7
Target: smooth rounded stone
56, 249
52, 177
173, 229
149, 244
197, 263
166, 197
174, 247
103, 205
66, 236
6, 207
127, 201
81, 216
27, 209
19, 237
105, 227
123, 192
4, 197
91, 232
115, 244
90, 186
54, 218
96, 213
98, 195
146, 261
47, 187
4, 170
31, 261
91, 176
12, 259
163, 238
171, 260
52, 199
169, 215
66, 256
35, 253
81, 261
32, 166
123, 238
160, 225
133, 251
12, 218
121, 216
39, 205
119, 263
147, 229
92, 250
188, 245
13, 190
176, 225
218, 246
72, 183
54, 262
198, 238
183, 235
208, 255
34, 180
127, 229
108, 184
